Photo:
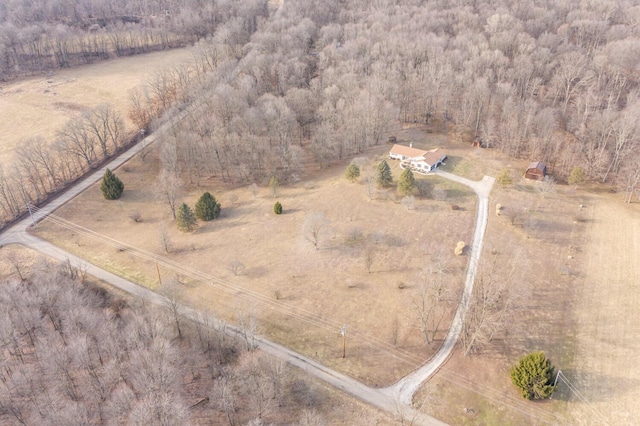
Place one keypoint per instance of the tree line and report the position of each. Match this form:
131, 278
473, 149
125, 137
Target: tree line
43, 167
75, 354
65, 34
322, 81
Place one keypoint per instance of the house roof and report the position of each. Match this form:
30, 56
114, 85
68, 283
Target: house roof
431, 157
537, 165
407, 151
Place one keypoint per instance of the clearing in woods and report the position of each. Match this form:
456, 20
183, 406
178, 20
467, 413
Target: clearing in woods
269, 269
39, 106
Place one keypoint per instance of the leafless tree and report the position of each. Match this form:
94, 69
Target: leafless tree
168, 188
490, 306
432, 299
315, 226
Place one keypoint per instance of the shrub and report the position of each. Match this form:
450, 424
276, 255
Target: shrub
111, 186
135, 216
207, 208
504, 177
533, 375
353, 172
277, 208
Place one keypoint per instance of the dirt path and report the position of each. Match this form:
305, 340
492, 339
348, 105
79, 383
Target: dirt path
607, 373
409, 385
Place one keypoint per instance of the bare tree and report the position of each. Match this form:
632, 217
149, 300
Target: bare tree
168, 188
432, 299
314, 227
490, 306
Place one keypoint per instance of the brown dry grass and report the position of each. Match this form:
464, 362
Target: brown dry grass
284, 272
576, 269
39, 106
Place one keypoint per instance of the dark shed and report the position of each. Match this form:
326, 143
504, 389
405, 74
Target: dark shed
536, 171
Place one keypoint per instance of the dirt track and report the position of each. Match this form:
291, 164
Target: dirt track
606, 370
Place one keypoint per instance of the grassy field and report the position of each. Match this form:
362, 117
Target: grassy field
39, 106
558, 241
301, 296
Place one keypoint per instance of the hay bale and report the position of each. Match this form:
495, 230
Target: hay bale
498, 208
459, 248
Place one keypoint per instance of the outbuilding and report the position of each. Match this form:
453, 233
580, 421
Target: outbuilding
536, 171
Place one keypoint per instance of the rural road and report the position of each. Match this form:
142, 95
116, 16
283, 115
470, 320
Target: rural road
395, 400
404, 389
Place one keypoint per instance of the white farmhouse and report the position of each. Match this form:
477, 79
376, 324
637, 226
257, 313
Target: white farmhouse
419, 160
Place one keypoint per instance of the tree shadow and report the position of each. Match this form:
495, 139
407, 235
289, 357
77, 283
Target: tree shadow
255, 272
290, 211
217, 225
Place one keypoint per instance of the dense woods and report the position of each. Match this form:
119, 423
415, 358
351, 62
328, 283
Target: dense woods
45, 35
320, 82
74, 354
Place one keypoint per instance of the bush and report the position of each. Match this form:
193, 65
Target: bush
504, 177
277, 208
111, 186
533, 375
207, 208
353, 172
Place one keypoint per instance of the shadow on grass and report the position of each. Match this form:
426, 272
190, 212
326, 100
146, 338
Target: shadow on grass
586, 387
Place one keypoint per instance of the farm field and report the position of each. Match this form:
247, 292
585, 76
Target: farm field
39, 106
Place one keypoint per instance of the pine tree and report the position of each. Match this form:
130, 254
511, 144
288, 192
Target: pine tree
111, 186
504, 177
353, 172
186, 219
576, 177
277, 208
207, 208
533, 375
407, 182
383, 174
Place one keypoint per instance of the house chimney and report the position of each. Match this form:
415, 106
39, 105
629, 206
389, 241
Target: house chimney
410, 144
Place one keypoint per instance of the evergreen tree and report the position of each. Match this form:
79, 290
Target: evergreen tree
111, 186
383, 174
407, 182
207, 208
277, 208
576, 177
353, 172
186, 219
533, 375
504, 177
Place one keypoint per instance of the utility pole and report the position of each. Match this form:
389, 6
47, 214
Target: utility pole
343, 333
158, 270
33, 221
555, 382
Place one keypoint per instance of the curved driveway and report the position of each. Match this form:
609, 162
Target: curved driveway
404, 389
391, 399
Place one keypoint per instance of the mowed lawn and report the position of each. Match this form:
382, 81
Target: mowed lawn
39, 106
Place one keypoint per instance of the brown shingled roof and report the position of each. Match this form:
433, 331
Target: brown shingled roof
407, 151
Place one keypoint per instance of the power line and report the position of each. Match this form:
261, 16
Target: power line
303, 315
